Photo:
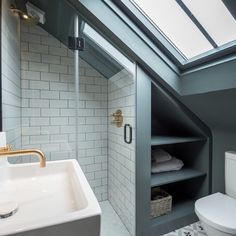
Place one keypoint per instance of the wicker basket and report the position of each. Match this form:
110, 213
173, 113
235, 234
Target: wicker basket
161, 202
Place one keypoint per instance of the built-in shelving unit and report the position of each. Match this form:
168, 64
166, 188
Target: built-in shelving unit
177, 132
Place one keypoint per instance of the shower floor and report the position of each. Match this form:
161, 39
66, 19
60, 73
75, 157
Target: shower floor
111, 223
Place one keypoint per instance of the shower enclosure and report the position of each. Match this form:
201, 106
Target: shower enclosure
70, 92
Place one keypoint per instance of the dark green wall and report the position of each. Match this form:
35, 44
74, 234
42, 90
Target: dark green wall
218, 111
216, 77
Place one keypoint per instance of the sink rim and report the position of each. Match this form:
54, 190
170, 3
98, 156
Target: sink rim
92, 209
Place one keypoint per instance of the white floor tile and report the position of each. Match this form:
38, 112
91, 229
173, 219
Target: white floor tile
111, 223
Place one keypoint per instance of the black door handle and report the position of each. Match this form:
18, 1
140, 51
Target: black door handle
129, 141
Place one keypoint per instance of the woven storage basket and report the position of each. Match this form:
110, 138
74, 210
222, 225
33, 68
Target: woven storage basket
161, 202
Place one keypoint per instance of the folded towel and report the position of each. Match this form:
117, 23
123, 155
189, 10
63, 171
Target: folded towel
173, 164
160, 155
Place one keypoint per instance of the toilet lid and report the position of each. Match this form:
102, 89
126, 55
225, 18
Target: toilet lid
219, 211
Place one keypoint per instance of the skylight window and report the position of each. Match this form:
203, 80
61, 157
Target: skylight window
192, 27
215, 18
175, 24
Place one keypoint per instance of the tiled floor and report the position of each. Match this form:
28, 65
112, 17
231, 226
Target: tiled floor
190, 230
111, 223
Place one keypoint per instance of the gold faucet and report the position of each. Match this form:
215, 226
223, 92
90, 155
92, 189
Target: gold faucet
8, 152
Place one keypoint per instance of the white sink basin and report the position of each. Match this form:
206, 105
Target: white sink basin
56, 200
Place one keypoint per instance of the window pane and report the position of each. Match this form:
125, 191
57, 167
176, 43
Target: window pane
108, 48
215, 18
168, 16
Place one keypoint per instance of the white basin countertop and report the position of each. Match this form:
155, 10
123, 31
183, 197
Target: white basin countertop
47, 196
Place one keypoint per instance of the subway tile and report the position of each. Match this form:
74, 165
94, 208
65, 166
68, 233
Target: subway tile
93, 88
43, 85
93, 120
30, 131
68, 129
58, 86
59, 138
59, 120
24, 65
24, 46
50, 59
30, 112
67, 78
39, 121
50, 112
37, 30
39, 103
93, 136
85, 144
30, 75
50, 76
24, 102
50, 41
30, 56
85, 112
67, 95
93, 167
24, 84
71, 70
67, 61
50, 94
58, 103
50, 130
58, 68
30, 93
39, 139
67, 112
36, 66
32, 38
57, 51
93, 104
38, 48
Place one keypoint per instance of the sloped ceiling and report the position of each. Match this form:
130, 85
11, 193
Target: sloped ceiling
60, 23
216, 109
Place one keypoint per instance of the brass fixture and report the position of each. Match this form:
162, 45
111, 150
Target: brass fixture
20, 10
117, 118
8, 152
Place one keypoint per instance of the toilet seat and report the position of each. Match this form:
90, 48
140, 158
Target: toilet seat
219, 211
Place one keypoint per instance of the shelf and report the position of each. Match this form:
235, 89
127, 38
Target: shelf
184, 208
174, 176
163, 140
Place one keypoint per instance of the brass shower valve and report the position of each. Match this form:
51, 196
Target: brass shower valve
117, 118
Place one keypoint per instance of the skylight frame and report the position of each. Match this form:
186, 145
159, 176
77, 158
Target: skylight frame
150, 29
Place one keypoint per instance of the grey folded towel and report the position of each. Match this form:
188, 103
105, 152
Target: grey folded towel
171, 165
160, 155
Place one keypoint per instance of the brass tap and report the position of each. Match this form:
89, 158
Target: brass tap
8, 152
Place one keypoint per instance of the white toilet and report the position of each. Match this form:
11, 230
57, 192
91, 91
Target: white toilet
217, 212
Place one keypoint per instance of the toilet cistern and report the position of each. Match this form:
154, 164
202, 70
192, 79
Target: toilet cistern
8, 152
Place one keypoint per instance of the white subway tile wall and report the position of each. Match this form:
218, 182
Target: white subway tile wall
11, 84
42, 101
48, 106
121, 156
